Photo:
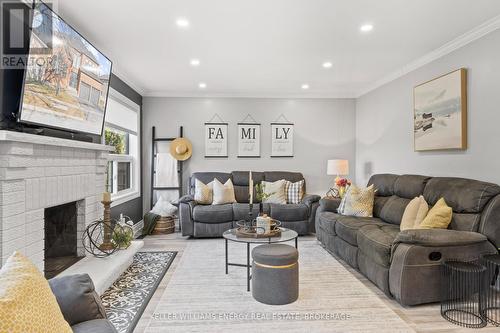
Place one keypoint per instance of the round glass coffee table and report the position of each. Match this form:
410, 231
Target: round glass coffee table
230, 235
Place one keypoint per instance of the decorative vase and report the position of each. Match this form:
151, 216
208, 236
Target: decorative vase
342, 191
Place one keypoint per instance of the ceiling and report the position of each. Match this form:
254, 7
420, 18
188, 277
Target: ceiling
269, 48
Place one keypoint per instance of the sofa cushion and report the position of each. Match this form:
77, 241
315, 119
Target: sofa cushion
463, 195
94, 326
375, 241
240, 178
393, 210
346, 227
289, 212
410, 186
207, 177
213, 213
77, 298
384, 184
378, 204
327, 221
240, 211
465, 222
272, 176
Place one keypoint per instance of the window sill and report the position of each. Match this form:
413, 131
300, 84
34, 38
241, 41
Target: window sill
119, 199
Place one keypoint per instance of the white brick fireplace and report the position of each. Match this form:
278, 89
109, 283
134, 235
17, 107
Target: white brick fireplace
38, 172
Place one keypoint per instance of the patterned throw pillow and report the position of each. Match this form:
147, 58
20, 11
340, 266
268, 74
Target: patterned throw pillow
27, 303
223, 193
203, 194
275, 192
294, 191
358, 201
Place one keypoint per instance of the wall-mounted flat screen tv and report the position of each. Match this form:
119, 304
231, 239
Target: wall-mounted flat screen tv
66, 80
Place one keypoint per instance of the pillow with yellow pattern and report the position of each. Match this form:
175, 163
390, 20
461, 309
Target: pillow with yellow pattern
27, 304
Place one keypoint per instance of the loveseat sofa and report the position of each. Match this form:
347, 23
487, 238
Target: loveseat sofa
406, 265
212, 220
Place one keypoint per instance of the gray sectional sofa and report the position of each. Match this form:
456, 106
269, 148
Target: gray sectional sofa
212, 220
406, 265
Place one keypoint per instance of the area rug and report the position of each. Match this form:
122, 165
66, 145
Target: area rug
200, 297
129, 295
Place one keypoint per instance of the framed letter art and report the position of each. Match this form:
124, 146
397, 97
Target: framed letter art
281, 140
216, 139
248, 140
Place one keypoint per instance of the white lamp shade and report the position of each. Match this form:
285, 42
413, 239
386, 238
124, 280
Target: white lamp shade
337, 167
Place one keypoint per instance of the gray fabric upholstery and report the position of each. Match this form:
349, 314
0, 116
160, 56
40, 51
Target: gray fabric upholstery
439, 237
206, 230
275, 285
289, 212
465, 222
240, 211
196, 219
275, 254
94, 326
378, 205
346, 227
415, 272
213, 213
375, 241
329, 204
393, 209
490, 221
77, 298
383, 183
463, 195
410, 186
185, 218
406, 264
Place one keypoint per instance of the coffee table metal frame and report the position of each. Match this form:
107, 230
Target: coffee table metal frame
229, 235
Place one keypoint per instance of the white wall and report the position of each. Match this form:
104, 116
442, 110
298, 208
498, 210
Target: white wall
324, 129
384, 120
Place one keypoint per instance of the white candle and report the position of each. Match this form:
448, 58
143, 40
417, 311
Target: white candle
250, 187
106, 197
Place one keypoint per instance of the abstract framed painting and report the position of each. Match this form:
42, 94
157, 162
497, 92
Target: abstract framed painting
440, 113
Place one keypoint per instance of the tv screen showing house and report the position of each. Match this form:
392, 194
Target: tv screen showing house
66, 80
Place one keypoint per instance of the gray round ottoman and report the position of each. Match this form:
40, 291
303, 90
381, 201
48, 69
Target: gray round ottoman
275, 274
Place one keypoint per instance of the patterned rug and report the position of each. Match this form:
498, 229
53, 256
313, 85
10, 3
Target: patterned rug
129, 295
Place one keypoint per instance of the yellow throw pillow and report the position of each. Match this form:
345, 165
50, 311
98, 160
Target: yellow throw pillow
358, 201
415, 212
27, 304
439, 217
203, 194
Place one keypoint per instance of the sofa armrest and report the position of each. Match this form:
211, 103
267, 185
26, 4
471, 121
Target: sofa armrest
77, 298
329, 204
186, 199
439, 237
309, 199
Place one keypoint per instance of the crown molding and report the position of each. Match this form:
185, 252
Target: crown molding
457, 43
172, 94
125, 78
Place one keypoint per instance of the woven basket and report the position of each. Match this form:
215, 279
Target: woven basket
164, 225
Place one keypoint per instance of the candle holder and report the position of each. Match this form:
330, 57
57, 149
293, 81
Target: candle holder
107, 244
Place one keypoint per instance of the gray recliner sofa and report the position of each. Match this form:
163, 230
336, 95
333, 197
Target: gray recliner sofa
406, 265
212, 220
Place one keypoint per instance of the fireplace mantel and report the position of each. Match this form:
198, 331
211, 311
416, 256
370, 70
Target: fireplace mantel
50, 141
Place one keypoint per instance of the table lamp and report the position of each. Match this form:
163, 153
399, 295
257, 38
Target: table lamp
336, 168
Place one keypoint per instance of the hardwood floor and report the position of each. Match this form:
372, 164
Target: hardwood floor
424, 318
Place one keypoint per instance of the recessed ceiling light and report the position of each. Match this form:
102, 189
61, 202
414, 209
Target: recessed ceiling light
182, 22
327, 64
195, 62
305, 86
202, 85
366, 27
